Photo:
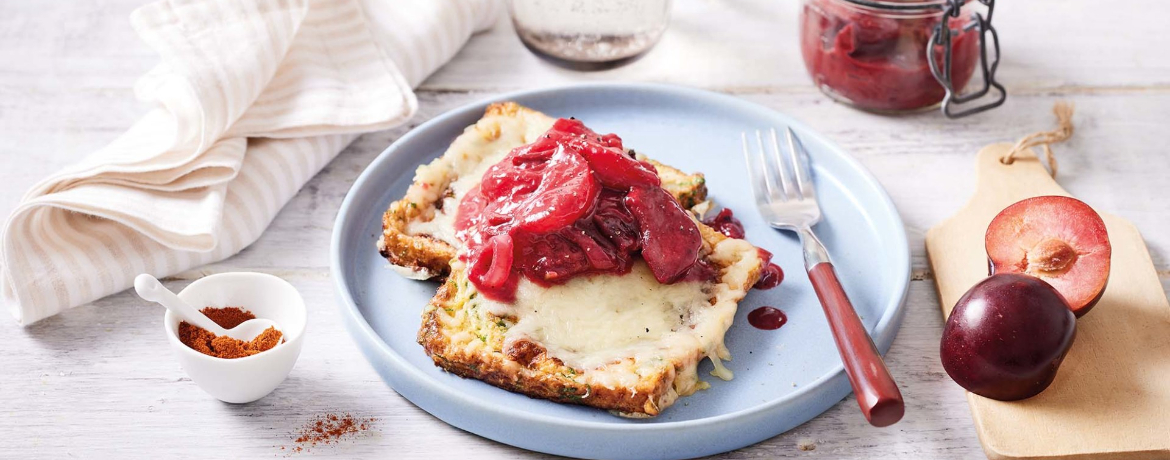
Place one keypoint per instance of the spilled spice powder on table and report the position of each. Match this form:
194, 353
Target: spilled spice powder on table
206, 342
328, 429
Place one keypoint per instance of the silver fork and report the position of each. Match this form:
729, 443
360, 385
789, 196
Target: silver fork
787, 200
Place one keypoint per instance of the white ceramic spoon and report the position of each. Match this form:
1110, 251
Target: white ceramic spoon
150, 289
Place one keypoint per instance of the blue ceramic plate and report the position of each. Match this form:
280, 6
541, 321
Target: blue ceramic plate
782, 377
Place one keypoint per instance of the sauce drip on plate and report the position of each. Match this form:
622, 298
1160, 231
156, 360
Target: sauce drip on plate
767, 318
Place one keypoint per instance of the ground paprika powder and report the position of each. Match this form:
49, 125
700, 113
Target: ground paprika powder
206, 342
326, 429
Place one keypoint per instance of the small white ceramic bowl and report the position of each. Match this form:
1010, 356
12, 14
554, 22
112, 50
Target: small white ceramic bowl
247, 379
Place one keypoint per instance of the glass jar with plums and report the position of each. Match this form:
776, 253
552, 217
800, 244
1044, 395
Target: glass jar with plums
896, 56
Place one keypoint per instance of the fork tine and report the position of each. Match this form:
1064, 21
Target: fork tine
775, 193
800, 164
756, 172
785, 172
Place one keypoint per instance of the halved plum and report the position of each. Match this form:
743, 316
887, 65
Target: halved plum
1058, 239
1006, 337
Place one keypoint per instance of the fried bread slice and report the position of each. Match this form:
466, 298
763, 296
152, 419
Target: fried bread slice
418, 236
623, 343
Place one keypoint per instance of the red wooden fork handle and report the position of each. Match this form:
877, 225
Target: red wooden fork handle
876, 392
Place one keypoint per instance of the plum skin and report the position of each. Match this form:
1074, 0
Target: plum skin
1007, 336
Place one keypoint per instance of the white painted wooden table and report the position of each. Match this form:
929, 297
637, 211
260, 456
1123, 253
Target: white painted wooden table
99, 381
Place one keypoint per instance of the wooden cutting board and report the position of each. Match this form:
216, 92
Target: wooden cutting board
1111, 397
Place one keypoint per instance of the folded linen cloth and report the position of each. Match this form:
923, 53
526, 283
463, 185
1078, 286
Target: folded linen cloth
252, 99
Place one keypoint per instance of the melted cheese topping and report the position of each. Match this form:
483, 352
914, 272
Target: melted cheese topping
591, 321
619, 327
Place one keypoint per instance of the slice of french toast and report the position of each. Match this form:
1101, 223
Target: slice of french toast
624, 343
418, 235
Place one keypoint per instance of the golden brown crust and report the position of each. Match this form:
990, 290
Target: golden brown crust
525, 352
507, 108
688, 189
420, 253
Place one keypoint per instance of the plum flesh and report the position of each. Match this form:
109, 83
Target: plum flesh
1058, 239
1006, 337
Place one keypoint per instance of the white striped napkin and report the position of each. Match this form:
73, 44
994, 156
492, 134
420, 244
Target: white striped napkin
253, 98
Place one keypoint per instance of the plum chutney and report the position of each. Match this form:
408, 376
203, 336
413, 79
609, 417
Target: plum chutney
726, 223
573, 203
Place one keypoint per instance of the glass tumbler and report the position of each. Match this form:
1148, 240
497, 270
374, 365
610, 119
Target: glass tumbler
590, 34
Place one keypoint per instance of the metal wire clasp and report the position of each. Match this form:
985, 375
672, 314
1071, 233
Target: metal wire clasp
942, 37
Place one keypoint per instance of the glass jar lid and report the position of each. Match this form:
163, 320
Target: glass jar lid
907, 5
